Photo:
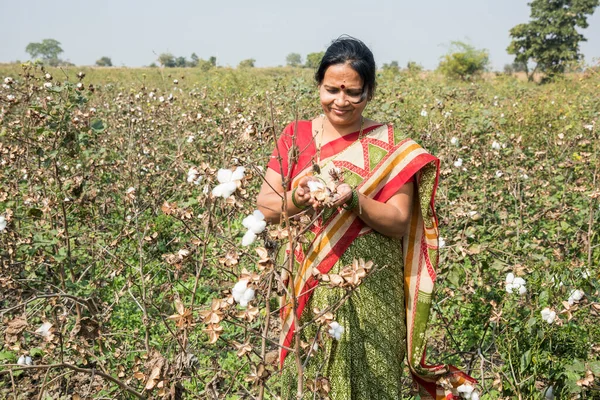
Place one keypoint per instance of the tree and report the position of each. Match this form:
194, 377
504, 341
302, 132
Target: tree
104, 62
551, 39
167, 60
392, 66
180, 62
213, 61
463, 61
248, 63
194, 59
515, 67
314, 59
47, 50
413, 66
293, 60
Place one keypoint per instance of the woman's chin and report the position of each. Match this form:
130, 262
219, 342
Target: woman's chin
345, 119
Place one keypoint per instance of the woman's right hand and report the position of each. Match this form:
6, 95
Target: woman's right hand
302, 193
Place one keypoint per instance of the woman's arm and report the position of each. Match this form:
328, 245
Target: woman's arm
270, 197
389, 218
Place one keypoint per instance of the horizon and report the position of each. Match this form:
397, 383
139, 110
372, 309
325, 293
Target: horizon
133, 34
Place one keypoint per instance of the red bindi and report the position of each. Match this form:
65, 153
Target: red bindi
343, 86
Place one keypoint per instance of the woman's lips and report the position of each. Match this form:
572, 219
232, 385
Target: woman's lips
339, 112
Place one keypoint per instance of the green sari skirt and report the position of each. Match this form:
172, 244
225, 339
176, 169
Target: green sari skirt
367, 361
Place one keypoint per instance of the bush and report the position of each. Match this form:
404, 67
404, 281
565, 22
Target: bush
464, 61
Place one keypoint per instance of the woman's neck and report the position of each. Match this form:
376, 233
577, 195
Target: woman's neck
332, 131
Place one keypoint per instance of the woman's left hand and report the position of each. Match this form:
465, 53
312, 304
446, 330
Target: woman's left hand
344, 194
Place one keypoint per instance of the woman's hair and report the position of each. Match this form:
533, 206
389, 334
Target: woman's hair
352, 51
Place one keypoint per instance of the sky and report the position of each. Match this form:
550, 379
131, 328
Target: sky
133, 32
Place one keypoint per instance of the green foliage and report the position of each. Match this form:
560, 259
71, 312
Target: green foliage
104, 62
167, 60
551, 39
194, 59
392, 66
181, 62
47, 50
248, 63
463, 61
293, 60
515, 67
413, 66
314, 59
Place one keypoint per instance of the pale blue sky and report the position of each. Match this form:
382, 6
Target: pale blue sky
133, 32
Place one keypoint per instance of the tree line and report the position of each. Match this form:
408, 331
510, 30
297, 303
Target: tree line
549, 41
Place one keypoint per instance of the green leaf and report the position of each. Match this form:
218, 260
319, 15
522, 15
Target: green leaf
97, 125
36, 352
525, 360
8, 355
35, 213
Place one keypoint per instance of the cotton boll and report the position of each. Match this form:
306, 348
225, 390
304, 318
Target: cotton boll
576, 296
335, 330
548, 315
224, 175
247, 297
465, 390
249, 238
510, 277
315, 186
519, 281
441, 243
255, 222
224, 190
238, 174
239, 289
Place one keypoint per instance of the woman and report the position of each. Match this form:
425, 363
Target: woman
381, 209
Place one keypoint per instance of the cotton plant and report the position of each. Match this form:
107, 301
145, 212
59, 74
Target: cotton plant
242, 293
458, 163
228, 182
3, 224
454, 141
515, 284
496, 145
255, 223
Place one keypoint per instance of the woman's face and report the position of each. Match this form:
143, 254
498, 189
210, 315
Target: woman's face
342, 98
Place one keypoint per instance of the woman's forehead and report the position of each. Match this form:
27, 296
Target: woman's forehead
342, 75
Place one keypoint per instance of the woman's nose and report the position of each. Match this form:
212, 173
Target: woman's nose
341, 98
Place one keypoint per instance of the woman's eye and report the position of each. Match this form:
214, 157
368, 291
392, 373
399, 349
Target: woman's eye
332, 91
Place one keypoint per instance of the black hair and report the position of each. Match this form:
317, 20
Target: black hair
352, 51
